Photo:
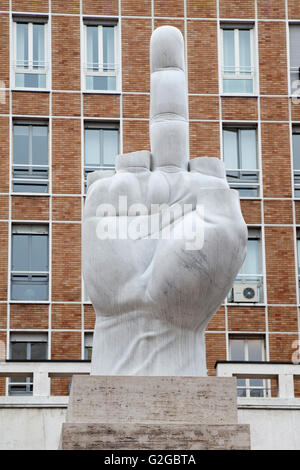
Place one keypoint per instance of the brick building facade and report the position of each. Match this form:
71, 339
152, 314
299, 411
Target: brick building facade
78, 70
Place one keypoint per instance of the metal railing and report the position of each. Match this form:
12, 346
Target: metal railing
97, 67
241, 71
30, 66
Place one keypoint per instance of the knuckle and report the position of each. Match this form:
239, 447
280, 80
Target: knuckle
212, 166
98, 175
133, 162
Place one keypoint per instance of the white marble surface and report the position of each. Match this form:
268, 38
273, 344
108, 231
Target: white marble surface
154, 297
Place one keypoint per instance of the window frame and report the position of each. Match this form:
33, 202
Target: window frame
294, 93
30, 70
100, 24
27, 179
246, 339
88, 345
27, 339
239, 183
254, 234
248, 388
296, 173
98, 125
253, 66
29, 273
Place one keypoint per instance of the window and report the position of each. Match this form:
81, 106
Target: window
30, 54
30, 158
101, 57
251, 348
101, 146
30, 262
240, 158
24, 347
88, 346
250, 276
296, 160
238, 60
295, 58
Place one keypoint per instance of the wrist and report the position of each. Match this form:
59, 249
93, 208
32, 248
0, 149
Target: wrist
138, 343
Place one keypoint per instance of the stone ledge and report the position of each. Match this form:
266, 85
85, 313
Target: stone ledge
165, 399
137, 436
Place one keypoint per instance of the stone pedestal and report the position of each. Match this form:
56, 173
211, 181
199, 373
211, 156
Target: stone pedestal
153, 413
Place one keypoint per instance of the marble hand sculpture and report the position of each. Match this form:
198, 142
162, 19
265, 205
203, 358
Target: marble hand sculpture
154, 295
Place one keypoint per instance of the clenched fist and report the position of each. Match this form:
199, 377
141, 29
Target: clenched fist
163, 239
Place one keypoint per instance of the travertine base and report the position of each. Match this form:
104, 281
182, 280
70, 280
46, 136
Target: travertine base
163, 413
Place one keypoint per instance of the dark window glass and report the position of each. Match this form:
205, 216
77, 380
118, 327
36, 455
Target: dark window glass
20, 187
30, 287
30, 150
22, 45
38, 351
101, 147
34, 350
30, 255
255, 351
259, 393
101, 83
92, 48
30, 252
20, 253
296, 151
39, 145
18, 351
108, 48
38, 45
240, 157
21, 144
88, 352
39, 253
237, 347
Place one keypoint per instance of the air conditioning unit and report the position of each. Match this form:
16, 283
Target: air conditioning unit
246, 292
